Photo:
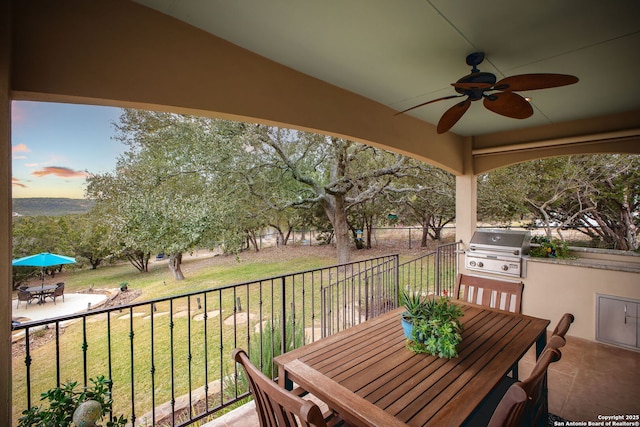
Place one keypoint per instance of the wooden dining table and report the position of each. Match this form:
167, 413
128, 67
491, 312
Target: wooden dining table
370, 378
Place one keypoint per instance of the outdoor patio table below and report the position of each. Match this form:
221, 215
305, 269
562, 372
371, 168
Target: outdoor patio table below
370, 378
41, 292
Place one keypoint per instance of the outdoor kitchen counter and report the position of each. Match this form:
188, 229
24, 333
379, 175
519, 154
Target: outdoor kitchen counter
604, 259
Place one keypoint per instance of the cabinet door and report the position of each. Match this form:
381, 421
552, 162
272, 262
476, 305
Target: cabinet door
617, 321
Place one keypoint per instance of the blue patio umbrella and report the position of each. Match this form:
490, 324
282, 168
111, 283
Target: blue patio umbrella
44, 259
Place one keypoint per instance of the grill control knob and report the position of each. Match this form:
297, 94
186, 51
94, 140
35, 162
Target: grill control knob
505, 267
472, 263
480, 264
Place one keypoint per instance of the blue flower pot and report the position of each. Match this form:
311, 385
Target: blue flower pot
407, 327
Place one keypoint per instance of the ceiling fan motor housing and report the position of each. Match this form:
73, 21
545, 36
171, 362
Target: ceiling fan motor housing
482, 78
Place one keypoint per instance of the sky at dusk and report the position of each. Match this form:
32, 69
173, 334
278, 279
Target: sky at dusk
55, 146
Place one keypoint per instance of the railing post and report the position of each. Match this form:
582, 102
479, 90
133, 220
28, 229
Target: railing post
397, 279
437, 270
283, 316
366, 295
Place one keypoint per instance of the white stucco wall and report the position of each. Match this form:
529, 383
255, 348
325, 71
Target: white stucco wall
552, 289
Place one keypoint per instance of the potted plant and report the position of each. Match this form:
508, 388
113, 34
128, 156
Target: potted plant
414, 309
549, 248
432, 325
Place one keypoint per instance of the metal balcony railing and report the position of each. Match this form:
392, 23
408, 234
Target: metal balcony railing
170, 358
433, 273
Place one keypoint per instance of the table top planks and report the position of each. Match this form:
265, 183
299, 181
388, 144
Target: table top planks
378, 377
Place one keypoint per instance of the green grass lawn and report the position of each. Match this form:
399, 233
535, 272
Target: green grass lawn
181, 345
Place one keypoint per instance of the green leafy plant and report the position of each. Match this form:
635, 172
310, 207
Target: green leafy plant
549, 248
64, 400
264, 346
436, 325
414, 305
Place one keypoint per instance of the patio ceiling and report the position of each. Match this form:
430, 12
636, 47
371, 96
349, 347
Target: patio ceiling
404, 53
346, 67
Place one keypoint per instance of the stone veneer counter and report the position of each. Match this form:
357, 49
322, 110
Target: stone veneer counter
605, 259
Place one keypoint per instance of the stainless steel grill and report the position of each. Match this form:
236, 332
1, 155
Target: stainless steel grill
498, 252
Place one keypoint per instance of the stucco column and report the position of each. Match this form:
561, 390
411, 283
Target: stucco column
466, 199
5, 217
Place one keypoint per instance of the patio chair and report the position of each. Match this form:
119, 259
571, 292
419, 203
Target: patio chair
278, 407
557, 339
25, 296
555, 342
519, 403
57, 292
493, 293
523, 402
563, 325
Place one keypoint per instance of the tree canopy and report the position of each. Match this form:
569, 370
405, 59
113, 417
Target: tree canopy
170, 190
186, 183
597, 195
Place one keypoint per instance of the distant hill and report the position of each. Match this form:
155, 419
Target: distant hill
50, 206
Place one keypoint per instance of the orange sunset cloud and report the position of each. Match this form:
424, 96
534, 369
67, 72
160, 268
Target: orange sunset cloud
19, 148
60, 171
15, 181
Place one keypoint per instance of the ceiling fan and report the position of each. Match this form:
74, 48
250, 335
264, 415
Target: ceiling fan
498, 97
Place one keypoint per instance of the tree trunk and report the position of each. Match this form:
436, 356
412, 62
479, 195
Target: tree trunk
425, 237
341, 227
437, 232
369, 227
251, 239
139, 260
175, 260
334, 208
425, 231
281, 238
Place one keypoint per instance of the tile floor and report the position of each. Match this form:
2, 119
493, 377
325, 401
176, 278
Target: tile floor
591, 379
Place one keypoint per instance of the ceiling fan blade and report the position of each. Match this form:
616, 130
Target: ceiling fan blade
428, 102
508, 104
535, 81
452, 115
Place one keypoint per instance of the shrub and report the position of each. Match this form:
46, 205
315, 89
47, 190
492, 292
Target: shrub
64, 400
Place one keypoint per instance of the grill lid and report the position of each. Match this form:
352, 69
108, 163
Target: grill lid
509, 241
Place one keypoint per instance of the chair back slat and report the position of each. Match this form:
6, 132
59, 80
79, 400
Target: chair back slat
493, 293
276, 406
